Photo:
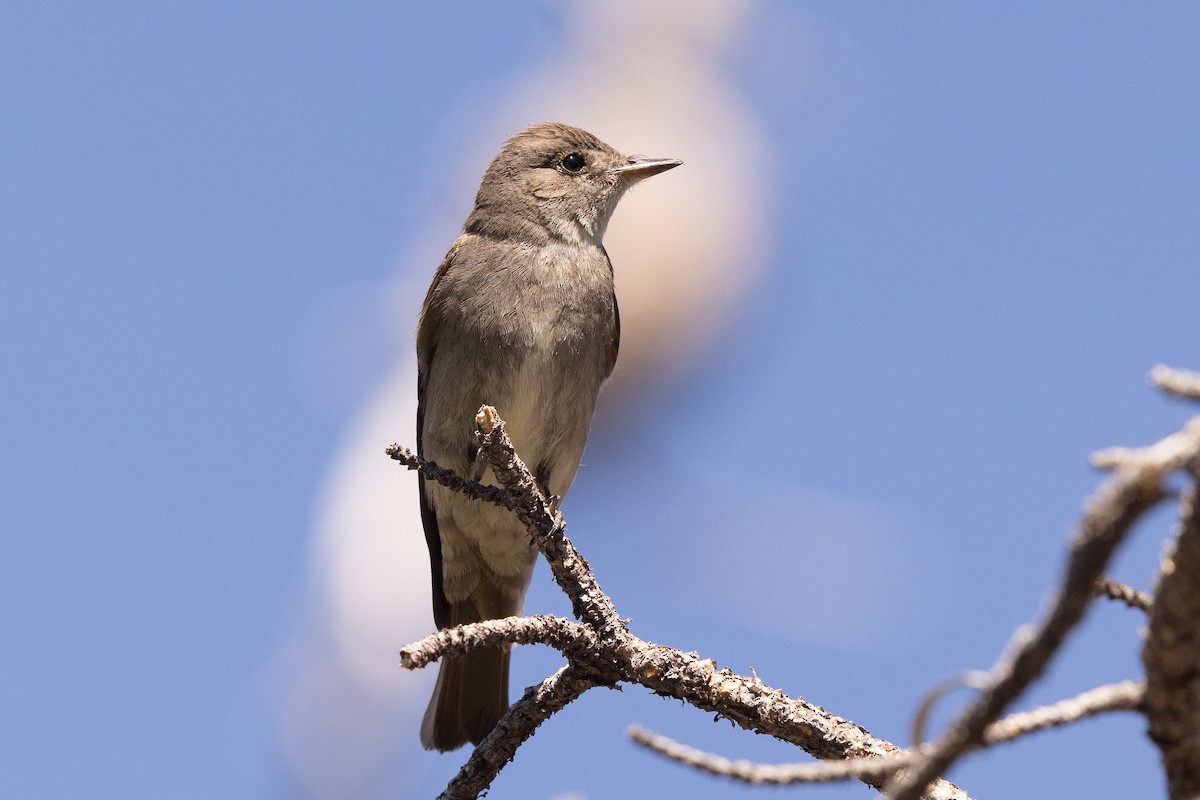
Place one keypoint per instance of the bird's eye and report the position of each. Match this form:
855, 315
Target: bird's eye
573, 162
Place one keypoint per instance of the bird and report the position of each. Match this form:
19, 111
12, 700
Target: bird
522, 316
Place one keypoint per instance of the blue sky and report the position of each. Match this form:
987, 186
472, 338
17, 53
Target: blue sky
981, 234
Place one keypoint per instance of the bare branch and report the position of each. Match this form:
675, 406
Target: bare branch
571, 571
1125, 696
1117, 504
448, 477
1123, 592
561, 634
753, 705
537, 705
869, 770
1179, 382
1172, 658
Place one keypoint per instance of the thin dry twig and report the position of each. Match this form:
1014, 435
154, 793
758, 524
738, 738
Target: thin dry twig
1125, 696
871, 770
449, 478
1124, 593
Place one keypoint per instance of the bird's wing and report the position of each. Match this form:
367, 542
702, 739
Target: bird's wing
614, 344
426, 352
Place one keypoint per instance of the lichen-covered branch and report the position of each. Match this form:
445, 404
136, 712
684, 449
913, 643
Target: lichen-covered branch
1125, 696
753, 705
448, 477
536, 706
561, 634
572, 573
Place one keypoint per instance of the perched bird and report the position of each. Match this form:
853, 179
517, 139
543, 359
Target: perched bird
521, 315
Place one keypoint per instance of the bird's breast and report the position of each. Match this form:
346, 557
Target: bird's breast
529, 329
565, 321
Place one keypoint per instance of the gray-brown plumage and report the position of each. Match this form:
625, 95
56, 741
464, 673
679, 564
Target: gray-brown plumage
521, 316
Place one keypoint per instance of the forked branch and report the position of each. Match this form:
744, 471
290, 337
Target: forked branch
601, 651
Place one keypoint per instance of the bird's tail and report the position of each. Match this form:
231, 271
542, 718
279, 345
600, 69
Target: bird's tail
471, 693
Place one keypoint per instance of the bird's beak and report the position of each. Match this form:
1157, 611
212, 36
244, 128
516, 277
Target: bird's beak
640, 167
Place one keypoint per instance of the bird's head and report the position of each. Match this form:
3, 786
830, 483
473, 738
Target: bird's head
559, 178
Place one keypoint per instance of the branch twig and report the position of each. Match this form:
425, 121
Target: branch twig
571, 571
561, 634
448, 477
1126, 696
1124, 593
